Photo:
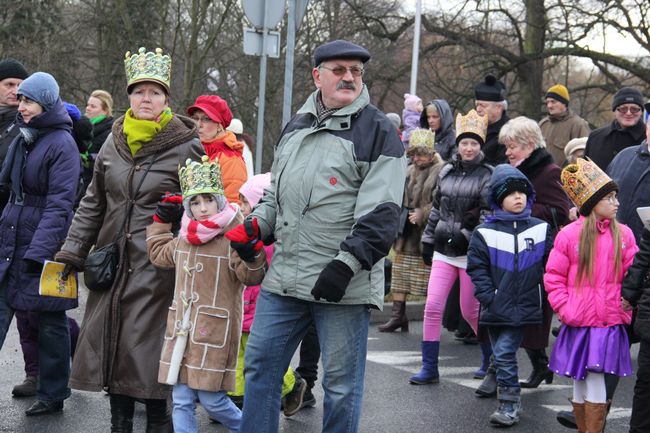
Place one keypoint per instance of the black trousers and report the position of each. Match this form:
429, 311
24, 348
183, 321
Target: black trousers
640, 421
309, 355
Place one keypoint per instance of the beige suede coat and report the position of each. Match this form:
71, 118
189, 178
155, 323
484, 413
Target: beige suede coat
210, 280
122, 330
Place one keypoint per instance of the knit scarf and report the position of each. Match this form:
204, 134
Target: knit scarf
226, 145
201, 232
138, 132
14, 163
96, 120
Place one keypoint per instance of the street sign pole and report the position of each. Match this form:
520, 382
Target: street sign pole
416, 48
262, 95
288, 65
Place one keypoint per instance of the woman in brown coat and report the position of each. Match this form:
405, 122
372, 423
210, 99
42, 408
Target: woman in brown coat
122, 331
410, 274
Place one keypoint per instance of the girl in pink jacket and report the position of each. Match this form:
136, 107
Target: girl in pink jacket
583, 279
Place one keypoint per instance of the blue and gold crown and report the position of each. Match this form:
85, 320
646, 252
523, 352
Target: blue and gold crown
148, 66
201, 177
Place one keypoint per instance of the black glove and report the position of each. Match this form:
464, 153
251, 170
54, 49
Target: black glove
427, 253
459, 242
470, 221
332, 281
245, 239
170, 209
33, 267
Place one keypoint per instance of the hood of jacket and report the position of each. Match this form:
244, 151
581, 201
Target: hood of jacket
501, 174
446, 118
56, 118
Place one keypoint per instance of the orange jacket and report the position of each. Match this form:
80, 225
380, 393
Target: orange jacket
233, 168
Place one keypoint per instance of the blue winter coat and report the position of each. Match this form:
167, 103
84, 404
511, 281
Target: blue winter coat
36, 230
505, 260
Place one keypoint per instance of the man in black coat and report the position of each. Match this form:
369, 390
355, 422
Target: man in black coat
490, 101
12, 73
626, 130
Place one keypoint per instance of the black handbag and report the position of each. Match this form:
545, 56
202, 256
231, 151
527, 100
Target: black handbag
100, 267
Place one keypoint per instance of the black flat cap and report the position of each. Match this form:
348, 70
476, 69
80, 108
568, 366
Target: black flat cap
340, 49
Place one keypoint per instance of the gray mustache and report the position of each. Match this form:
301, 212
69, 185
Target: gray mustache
346, 85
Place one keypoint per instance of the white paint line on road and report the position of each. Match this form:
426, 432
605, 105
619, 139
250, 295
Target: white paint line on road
614, 413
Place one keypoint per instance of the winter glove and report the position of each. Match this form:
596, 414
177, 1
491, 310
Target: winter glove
332, 282
459, 242
427, 253
245, 239
470, 221
73, 263
33, 267
170, 209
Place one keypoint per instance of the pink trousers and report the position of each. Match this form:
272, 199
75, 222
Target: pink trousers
443, 276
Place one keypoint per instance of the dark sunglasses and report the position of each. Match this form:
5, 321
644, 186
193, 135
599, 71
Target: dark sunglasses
624, 110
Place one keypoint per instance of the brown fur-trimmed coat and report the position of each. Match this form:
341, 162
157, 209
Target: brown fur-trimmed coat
418, 194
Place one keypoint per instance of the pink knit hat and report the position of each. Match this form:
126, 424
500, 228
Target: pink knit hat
254, 187
411, 101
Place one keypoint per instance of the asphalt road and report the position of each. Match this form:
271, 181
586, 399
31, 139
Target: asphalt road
391, 405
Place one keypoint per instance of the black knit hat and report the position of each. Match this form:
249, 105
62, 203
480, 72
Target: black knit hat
592, 201
490, 89
508, 187
12, 68
627, 95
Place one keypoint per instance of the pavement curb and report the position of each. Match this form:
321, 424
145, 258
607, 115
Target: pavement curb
414, 311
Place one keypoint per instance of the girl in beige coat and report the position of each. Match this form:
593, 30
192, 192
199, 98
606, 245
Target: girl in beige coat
201, 343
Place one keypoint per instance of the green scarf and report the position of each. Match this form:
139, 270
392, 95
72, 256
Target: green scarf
138, 132
96, 120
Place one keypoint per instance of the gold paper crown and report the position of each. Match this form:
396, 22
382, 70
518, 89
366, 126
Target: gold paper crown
421, 137
582, 180
151, 66
200, 177
471, 123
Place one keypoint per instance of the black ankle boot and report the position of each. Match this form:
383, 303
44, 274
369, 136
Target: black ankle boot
121, 413
159, 419
540, 369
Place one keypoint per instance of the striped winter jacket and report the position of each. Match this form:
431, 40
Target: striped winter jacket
336, 193
506, 262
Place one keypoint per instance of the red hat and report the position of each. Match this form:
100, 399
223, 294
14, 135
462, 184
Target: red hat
215, 107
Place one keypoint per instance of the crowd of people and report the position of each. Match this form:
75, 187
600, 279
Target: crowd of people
204, 280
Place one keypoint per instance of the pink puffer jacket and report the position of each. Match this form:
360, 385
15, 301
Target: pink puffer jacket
596, 304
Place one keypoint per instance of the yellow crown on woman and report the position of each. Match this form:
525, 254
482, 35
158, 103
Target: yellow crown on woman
201, 177
148, 66
585, 182
471, 124
421, 137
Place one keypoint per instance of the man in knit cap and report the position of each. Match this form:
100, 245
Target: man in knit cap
490, 100
12, 73
626, 130
562, 124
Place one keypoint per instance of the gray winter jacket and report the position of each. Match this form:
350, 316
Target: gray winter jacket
336, 193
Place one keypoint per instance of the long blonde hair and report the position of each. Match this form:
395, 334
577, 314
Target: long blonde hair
587, 248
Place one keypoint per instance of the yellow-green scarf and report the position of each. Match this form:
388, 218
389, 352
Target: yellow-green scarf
138, 132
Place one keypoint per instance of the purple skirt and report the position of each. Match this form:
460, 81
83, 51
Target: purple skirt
599, 350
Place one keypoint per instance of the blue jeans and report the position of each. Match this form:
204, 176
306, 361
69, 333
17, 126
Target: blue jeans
6, 314
217, 404
280, 324
53, 356
505, 342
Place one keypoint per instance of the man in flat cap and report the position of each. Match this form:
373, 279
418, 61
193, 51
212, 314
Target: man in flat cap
12, 73
561, 125
333, 208
627, 129
490, 100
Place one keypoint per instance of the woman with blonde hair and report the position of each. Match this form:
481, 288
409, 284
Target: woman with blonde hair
99, 110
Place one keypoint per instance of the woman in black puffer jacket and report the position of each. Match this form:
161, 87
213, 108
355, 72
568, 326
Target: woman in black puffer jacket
459, 197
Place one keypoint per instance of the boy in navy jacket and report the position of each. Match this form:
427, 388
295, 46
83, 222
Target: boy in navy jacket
506, 262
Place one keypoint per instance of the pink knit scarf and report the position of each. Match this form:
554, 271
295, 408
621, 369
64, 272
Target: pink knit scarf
201, 232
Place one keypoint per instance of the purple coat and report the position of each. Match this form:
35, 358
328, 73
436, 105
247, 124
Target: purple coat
36, 230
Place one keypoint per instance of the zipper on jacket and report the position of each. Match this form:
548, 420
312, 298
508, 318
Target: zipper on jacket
516, 267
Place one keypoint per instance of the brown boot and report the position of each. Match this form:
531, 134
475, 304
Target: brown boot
25, 389
397, 319
595, 415
579, 413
